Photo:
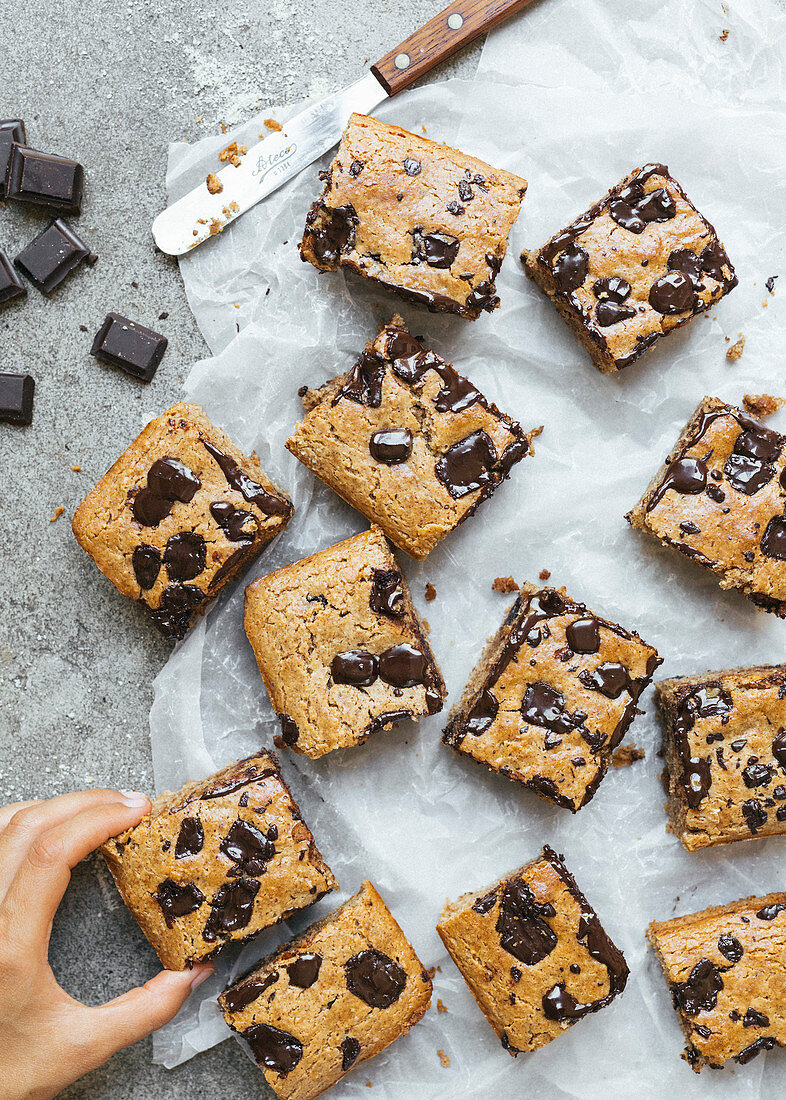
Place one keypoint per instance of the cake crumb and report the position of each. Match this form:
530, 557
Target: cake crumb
440, 1006
735, 351
272, 124
215, 227
223, 127
214, 184
626, 755
504, 584
77, 469
431, 592
544, 574
432, 970
762, 404
444, 1059
57, 515
232, 154
724, 34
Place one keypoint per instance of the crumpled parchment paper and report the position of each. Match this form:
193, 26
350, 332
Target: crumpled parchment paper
571, 96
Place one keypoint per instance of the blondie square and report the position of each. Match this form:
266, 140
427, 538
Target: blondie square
217, 861
178, 516
719, 499
552, 697
340, 646
327, 1001
533, 953
408, 441
725, 968
420, 218
637, 265
724, 740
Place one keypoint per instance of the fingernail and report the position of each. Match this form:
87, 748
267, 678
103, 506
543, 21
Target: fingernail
134, 798
201, 977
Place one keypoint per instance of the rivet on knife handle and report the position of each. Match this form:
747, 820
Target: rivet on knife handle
458, 25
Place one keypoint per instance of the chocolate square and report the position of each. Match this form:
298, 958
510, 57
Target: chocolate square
52, 256
11, 130
130, 346
11, 286
16, 398
44, 179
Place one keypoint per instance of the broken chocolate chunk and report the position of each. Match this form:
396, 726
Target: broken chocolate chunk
132, 347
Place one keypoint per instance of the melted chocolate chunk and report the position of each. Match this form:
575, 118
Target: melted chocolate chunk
713, 260
375, 978
411, 363
185, 556
235, 781
387, 593
248, 848
610, 679
467, 465
687, 476
304, 971
779, 748
273, 1048
335, 235
176, 608
251, 490
350, 1048
485, 905
770, 912
231, 908
364, 383
766, 1042
289, 730
391, 447
237, 525
773, 542
700, 992
657, 206
190, 839
571, 267
521, 924
613, 289
608, 314
583, 636
730, 947
390, 717
146, 561
243, 995
748, 468
435, 249
482, 714
412, 166
626, 216
752, 1018
167, 481
178, 901
403, 666
755, 815
355, 168
682, 259
707, 701
560, 1005
356, 667
757, 775
544, 706
672, 293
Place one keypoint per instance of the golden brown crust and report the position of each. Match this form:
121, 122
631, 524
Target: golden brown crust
108, 528
725, 968
329, 1026
301, 617
191, 847
388, 192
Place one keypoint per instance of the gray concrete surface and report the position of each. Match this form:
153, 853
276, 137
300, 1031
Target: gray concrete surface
111, 84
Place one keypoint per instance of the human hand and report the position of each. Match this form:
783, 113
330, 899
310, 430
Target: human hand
48, 1038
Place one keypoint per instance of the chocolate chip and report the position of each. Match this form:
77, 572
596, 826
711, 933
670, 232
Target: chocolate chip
435, 249
231, 908
350, 1048
482, 714
521, 924
612, 288
289, 730
454, 207
412, 166
356, 167
355, 667
237, 525
672, 293
730, 947
770, 912
757, 775
403, 666
273, 1048
755, 815
178, 900
375, 978
608, 313
700, 992
583, 636
146, 562
467, 465
248, 848
571, 267
752, 1018
185, 556
190, 839
176, 609
392, 446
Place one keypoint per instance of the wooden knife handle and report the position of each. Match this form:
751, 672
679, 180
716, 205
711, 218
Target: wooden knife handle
459, 24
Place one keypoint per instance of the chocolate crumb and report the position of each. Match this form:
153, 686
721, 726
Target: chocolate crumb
735, 351
431, 592
762, 404
214, 184
163, 316
626, 755
504, 584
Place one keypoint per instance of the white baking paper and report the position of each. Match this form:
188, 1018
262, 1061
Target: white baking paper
572, 95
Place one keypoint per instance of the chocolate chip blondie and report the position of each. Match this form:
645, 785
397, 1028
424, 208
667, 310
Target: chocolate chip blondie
329, 1000
217, 861
533, 953
720, 498
725, 970
552, 696
181, 513
407, 440
417, 217
724, 741
637, 265
340, 646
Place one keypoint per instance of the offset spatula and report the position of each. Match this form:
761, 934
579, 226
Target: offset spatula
200, 214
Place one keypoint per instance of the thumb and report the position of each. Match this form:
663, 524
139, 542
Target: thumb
127, 1019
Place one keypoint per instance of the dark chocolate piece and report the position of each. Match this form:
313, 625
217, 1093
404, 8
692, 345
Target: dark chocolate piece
132, 347
273, 1048
350, 1048
178, 901
375, 978
12, 130
304, 971
190, 839
44, 179
11, 286
52, 256
231, 908
16, 398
